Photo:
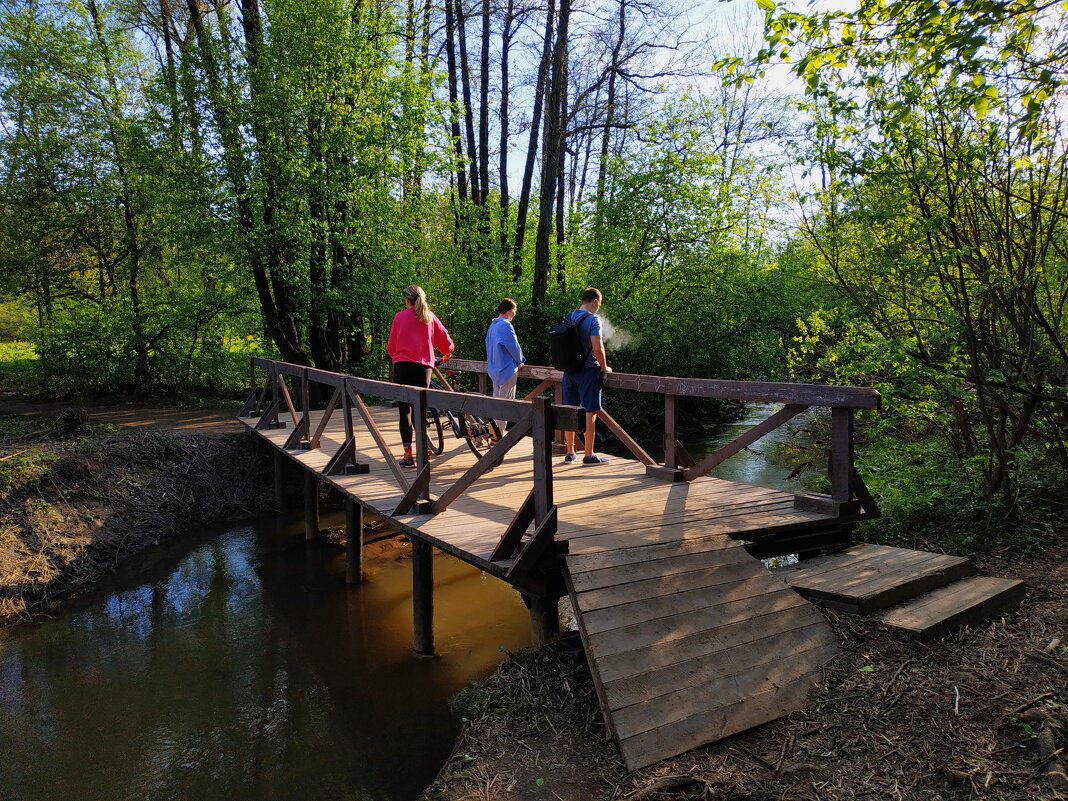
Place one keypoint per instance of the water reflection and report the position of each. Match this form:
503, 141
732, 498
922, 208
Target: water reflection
761, 464
243, 667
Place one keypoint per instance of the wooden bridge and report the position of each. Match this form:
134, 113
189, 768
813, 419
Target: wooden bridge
689, 637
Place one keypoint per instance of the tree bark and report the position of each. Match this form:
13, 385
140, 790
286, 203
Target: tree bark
532, 144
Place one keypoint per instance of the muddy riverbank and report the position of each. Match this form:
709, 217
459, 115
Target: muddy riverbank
78, 498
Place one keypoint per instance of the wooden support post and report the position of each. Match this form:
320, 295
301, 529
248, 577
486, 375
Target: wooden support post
544, 620
353, 542
311, 505
280, 497
483, 384
543, 454
423, 597
840, 468
671, 431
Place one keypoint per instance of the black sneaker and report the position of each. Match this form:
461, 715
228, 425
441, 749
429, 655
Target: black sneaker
593, 459
407, 461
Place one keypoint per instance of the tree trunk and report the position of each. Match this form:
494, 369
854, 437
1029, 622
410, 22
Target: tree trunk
506, 43
551, 156
532, 145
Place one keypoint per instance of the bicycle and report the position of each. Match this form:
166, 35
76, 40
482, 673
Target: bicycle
480, 433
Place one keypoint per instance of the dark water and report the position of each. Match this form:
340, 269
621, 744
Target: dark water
240, 666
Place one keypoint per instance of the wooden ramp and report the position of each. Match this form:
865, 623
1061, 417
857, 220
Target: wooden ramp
692, 640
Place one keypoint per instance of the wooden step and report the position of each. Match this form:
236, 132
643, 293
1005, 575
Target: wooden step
964, 603
867, 578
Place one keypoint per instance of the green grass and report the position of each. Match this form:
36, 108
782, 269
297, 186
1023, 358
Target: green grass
18, 366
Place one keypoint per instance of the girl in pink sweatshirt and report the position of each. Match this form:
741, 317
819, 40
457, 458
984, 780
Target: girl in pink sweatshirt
415, 332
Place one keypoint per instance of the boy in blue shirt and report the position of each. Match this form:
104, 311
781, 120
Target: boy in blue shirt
503, 354
584, 387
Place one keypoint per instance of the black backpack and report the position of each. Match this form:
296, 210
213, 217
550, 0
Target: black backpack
569, 352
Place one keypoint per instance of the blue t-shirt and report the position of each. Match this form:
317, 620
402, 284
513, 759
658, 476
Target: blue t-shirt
589, 327
503, 354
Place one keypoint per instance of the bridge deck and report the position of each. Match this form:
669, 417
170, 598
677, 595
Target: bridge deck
689, 638
600, 508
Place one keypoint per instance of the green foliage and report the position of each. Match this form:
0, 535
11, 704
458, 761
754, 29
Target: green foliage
18, 366
22, 470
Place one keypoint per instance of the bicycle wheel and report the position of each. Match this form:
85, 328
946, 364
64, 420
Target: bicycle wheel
435, 439
480, 434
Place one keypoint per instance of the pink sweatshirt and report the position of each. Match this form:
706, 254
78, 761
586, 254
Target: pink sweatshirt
413, 341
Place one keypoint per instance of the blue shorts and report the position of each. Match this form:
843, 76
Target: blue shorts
584, 388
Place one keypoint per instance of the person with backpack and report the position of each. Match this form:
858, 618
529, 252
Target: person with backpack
415, 332
578, 352
503, 353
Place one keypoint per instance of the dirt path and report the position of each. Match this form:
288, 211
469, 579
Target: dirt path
189, 420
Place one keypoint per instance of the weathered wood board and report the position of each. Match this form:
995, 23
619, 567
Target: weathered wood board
690, 641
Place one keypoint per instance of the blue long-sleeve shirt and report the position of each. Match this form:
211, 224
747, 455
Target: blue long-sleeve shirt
502, 351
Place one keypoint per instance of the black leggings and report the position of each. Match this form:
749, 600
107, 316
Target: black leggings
412, 375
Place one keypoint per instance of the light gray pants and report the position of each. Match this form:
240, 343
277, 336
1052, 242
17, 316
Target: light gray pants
506, 391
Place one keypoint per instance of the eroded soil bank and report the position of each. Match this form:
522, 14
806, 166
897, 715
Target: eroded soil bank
981, 714
77, 498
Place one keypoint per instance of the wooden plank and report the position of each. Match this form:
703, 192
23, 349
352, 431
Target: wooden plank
716, 723
738, 685
696, 660
704, 641
746, 585
664, 629
740, 526
652, 501
874, 577
728, 551
696, 543
708, 575
762, 391
634, 521
873, 565
889, 592
968, 602
822, 564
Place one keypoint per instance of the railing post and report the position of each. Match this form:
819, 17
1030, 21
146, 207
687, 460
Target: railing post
422, 458
483, 384
543, 456
840, 461
671, 431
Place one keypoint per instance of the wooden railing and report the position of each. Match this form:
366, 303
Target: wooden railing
538, 419
849, 497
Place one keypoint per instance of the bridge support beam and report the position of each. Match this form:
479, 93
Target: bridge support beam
311, 505
280, 497
423, 597
353, 542
544, 619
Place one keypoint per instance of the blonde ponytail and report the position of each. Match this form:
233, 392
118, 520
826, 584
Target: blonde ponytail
419, 305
